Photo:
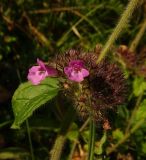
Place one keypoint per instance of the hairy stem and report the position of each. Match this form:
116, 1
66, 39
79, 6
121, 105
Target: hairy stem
138, 37
118, 29
58, 146
61, 138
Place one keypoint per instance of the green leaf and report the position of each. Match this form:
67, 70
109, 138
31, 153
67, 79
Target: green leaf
99, 145
117, 134
140, 113
73, 132
144, 147
27, 98
139, 86
85, 135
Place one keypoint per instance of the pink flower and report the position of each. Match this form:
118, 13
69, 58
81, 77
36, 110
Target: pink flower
76, 71
38, 73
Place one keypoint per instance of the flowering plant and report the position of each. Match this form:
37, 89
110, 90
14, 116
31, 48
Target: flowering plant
93, 86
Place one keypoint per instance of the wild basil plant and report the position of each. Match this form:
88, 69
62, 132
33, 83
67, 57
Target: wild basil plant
93, 85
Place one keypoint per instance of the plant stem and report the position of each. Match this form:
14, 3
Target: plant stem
84, 125
118, 29
127, 131
76, 141
134, 112
57, 148
126, 136
30, 141
61, 138
63, 38
138, 37
91, 140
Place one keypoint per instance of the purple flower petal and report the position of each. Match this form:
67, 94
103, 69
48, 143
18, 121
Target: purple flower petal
34, 69
68, 70
76, 76
51, 71
38, 73
41, 64
76, 71
85, 72
37, 78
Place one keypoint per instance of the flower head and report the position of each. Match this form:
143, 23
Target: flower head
38, 73
103, 90
76, 71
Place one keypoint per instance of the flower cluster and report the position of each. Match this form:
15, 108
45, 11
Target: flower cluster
94, 89
103, 85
